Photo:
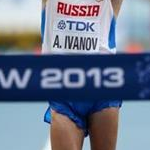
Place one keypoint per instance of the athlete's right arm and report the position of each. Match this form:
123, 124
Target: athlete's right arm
116, 6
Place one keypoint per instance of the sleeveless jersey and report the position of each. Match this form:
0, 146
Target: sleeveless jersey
78, 26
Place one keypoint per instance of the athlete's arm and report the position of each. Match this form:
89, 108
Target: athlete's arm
116, 6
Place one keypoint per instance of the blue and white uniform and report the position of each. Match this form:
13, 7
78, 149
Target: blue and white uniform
78, 26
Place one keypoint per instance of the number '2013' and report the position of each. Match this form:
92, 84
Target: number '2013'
54, 78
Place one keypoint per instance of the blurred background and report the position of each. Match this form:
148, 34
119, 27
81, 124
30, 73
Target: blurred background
21, 124
20, 26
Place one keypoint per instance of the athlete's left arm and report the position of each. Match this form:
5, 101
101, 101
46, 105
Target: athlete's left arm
116, 6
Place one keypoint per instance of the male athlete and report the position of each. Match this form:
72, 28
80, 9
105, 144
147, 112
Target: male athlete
81, 26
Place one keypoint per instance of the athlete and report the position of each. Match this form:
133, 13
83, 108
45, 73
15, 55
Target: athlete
81, 26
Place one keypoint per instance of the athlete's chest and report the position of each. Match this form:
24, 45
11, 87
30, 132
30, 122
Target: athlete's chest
78, 25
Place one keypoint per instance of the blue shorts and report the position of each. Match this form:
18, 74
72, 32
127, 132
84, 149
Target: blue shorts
79, 112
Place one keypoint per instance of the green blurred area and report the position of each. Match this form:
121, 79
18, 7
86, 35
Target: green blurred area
22, 41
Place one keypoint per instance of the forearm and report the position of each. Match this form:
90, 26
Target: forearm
116, 6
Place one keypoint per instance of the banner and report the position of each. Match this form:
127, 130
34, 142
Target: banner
74, 77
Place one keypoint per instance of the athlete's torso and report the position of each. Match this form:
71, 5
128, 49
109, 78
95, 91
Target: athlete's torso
78, 26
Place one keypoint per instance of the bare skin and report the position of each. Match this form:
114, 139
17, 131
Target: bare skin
103, 126
65, 135
116, 6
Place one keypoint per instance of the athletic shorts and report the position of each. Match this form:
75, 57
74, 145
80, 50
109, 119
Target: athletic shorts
79, 112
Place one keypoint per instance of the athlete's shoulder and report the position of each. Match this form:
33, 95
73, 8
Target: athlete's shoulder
44, 3
116, 4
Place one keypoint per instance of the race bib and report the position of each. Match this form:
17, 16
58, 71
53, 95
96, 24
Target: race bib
76, 28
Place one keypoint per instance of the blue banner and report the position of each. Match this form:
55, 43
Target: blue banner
74, 77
